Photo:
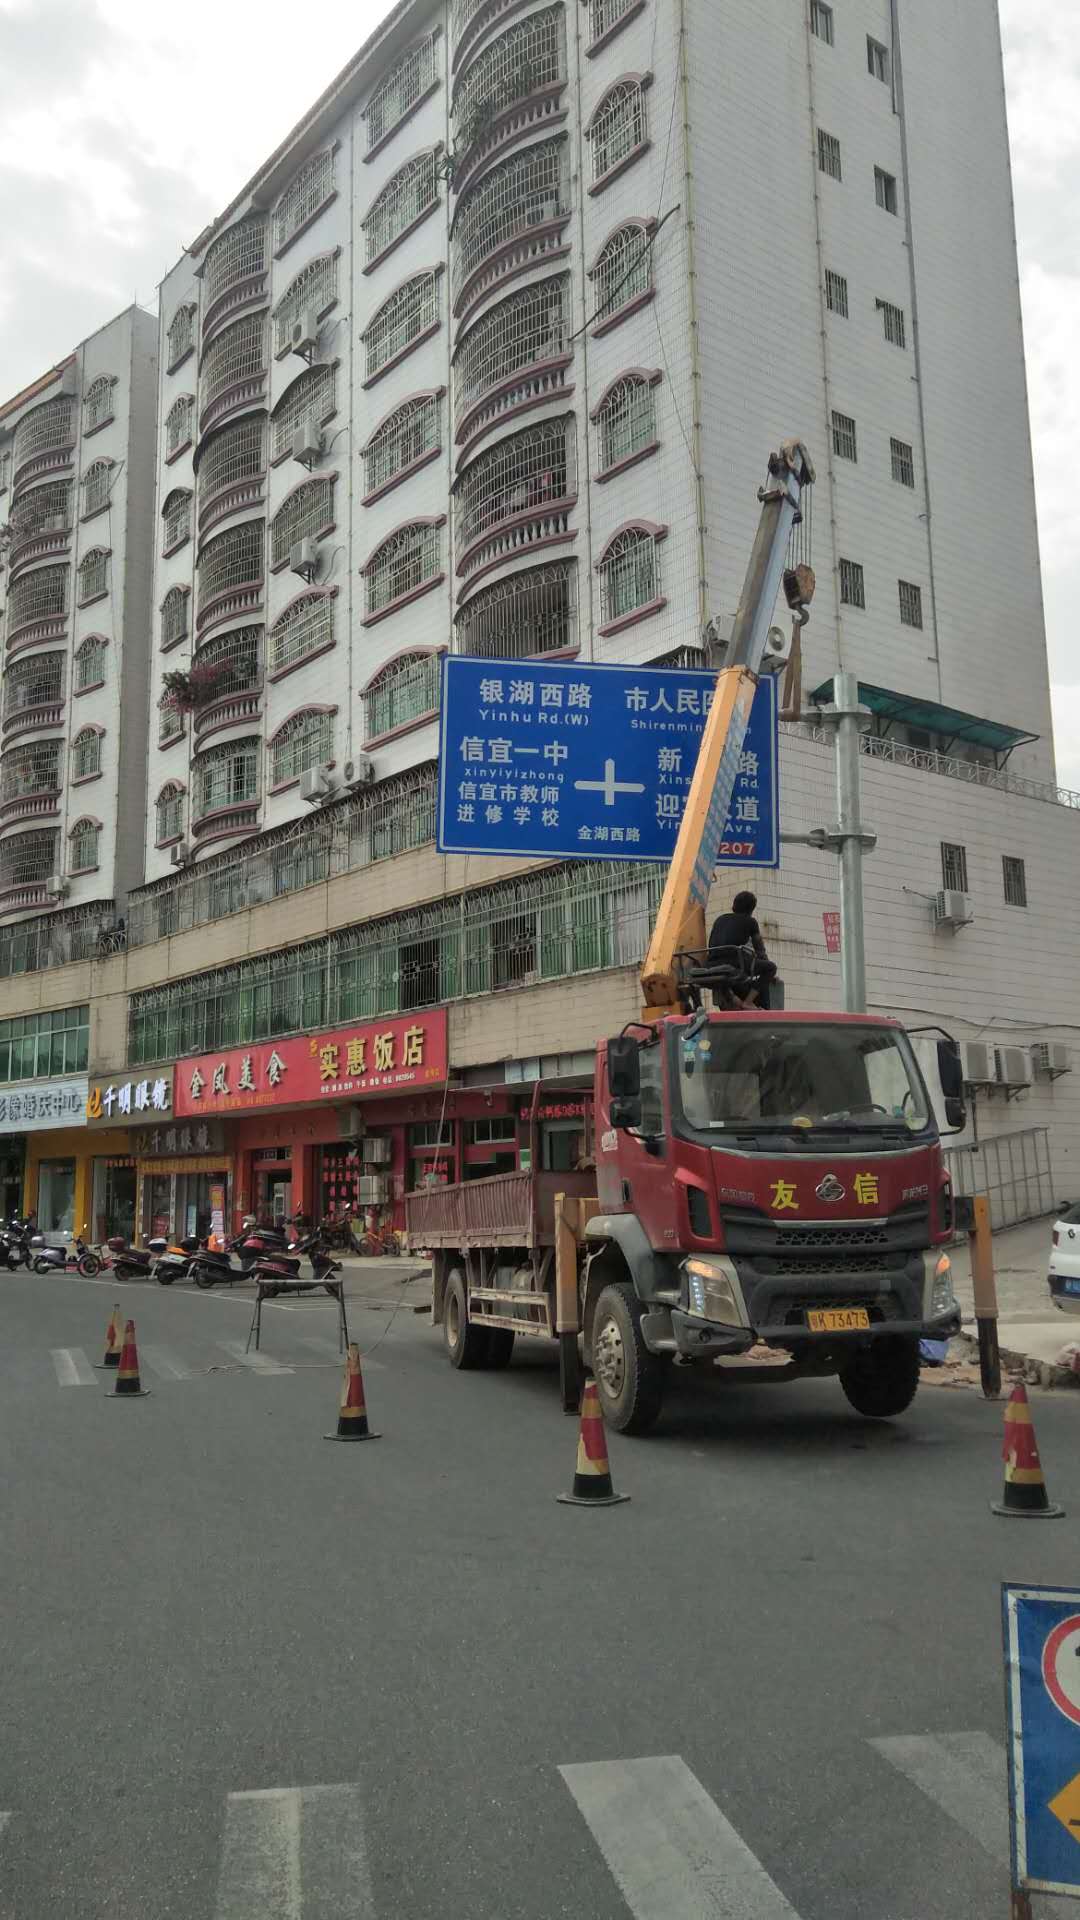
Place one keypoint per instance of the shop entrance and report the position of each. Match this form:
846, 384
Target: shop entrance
56, 1197
114, 1187
183, 1204
273, 1187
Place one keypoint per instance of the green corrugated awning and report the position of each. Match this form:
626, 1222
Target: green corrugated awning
947, 721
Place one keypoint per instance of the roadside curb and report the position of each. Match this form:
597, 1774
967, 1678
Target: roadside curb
1036, 1372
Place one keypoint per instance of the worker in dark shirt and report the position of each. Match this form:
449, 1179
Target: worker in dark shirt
740, 930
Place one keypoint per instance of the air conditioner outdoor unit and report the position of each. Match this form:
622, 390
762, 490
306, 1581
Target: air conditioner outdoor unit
373, 1189
351, 1123
307, 444
1013, 1066
180, 854
57, 887
977, 1063
952, 909
1051, 1057
317, 784
304, 339
304, 558
377, 1151
358, 772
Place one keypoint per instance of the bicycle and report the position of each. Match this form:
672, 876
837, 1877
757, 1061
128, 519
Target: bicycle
376, 1241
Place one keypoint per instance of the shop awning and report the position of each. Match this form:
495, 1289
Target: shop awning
949, 723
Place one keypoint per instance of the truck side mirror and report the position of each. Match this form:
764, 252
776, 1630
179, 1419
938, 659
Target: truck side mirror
624, 1068
950, 1070
955, 1112
626, 1113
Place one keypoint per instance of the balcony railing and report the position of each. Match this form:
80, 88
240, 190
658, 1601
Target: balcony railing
516, 495
235, 271
509, 220
44, 439
511, 88
514, 358
233, 677
529, 614
951, 766
233, 370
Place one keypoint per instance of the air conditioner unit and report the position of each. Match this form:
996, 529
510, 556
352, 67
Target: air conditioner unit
307, 444
304, 558
304, 338
358, 772
377, 1151
180, 854
1051, 1057
952, 909
977, 1063
351, 1123
317, 784
57, 887
373, 1189
1012, 1067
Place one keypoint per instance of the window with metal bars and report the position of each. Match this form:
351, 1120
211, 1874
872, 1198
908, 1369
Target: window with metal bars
629, 574
229, 663
404, 562
411, 192
954, 871
180, 336
84, 839
169, 809
45, 430
226, 776
170, 720
98, 402
893, 318
315, 286
821, 21
836, 298
235, 454
530, 613
312, 397
41, 510
30, 769
179, 424
524, 331
307, 513
619, 128
523, 473
305, 627
844, 442
41, 595
828, 154
852, 584
233, 559
34, 682
406, 691
302, 199
414, 75
237, 254
529, 57
910, 603
903, 462
5, 469
90, 662
33, 1045
306, 740
238, 354
174, 616
407, 316
1014, 880
623, 272
510, 199
27, 859
885, 190
626, 421
86, 753
96, 484
93, 575
176, 518
605, 14
877, 59
402, 440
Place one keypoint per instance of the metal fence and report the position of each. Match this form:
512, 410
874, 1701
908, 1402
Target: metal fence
1013, 1169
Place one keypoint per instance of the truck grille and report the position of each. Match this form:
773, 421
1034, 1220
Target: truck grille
800, 1266
748, 1231
790, 1237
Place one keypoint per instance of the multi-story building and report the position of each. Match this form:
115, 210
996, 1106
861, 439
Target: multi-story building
488, 357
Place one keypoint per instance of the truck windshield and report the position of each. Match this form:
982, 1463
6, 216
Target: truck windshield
735, 1074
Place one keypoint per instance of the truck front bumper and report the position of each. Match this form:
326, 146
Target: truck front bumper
696, 1339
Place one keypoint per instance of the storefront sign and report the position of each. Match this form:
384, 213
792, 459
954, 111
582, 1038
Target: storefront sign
208, 1136
381, 1056
556, 1110
118, 1101
59, 1103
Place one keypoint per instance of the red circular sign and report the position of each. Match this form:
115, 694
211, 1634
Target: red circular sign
1061, 1667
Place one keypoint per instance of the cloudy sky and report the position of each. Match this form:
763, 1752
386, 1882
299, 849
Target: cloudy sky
118, 142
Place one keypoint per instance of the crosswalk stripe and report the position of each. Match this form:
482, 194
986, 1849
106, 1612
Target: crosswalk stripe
330, 1350
669, 1847
73, 1369
294, 1853
258, 1362
4, 1818
165, 1364
964, 1774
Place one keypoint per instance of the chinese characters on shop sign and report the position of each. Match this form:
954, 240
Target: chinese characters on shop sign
131, 1097
387, 1054
60, 1105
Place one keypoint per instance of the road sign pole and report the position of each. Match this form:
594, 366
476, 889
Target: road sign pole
849, 833
1021, 1905
981, 1243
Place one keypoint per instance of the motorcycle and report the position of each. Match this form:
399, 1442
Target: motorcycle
78, 1258
287, 1267
135, 1263
212, 1267
176, 1261
337, 1230
15, 1246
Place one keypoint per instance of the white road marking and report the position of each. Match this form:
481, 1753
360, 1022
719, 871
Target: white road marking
294, 1853
258, 1362
73, 1369
669, 1847
962, 1773
164, 1364
4, 1818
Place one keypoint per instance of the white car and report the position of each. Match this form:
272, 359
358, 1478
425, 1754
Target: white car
1064, 1276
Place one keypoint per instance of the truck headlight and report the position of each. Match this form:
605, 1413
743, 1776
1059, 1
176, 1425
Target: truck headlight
713, 1291
942, 1297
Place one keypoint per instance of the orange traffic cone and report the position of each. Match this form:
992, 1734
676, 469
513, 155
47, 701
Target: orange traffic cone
1025, 1496
352, 1414
127, 1373
592, 1480
112, 1339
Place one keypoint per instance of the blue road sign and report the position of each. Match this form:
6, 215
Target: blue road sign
591, 762
1042, 1667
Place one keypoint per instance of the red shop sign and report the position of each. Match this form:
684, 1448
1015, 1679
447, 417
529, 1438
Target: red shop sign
831, 924
381, 1056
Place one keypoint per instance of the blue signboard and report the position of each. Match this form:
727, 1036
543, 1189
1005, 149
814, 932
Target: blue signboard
1042, 1663
591, 762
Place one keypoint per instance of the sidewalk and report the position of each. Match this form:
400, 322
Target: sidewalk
1031, 1331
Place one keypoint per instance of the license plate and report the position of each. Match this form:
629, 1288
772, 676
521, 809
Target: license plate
837, 1319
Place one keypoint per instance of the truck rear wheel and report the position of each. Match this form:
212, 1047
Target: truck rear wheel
880, 1380
629, 1379
466, 1344
500, 1347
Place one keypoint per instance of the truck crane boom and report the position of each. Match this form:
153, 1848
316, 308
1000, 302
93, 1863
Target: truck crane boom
680, 922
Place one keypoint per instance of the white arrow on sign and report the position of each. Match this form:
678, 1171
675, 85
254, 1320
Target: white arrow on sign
1061, 1667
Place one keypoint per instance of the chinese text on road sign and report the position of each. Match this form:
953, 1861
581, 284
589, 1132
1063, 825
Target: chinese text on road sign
1042, 1658
591, 761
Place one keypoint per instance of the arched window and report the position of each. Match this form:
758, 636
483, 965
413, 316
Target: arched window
176, 515
39, 595
607, 15
237, 254
626, 419
179, 425
231, 560
407, 317
532, 612
305, 627
528, 58
306, 194
43, 510
228, 664
525, 473
314, 288
47, 429
93, 575
312, 397
522, 193
180, 336
96, 483
405, 562
405, 86
629, 570
33, 768
227, 776
90, 659
403, 441
526, 330
619, 128
402, 694
234, 454
98, 402
307, 513
305, 740
410, 193
84, 838
170, 720
238, 354
623, 274
169, 808
174, 616
37, 680
86, 753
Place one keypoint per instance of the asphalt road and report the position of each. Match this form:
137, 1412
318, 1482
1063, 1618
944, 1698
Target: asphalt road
249, 1674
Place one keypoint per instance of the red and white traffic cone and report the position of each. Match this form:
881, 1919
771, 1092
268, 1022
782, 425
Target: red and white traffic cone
352, 1414
592, 1480
1025, 1496
128, 1385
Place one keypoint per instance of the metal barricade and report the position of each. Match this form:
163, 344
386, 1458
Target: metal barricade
1012, 1169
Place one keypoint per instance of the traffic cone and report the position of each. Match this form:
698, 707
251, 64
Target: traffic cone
127, 1373
112, 1339
352, 1414
1025, 1496
592, 1480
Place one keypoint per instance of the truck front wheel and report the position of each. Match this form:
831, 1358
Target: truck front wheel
466, 1344
880, 1381
629, 1379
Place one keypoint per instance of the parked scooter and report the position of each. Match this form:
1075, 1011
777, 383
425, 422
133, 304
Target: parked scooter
135, 1263
215, 1267
15, 1245
287, 1267
176, 1261
78, 1258
258, 1243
